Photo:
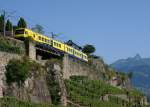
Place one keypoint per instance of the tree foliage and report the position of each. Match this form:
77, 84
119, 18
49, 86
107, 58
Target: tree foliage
17, 71
22, 23
1, 23
38, 28
130, 75
88, 49
9, 26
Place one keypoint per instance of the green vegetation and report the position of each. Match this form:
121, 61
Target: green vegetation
7, 46
22, 23
17, 71
9, 26
1, 23
12, 102
91, 93
89, 49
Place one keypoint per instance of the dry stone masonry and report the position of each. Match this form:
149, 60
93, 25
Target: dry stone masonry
4, 59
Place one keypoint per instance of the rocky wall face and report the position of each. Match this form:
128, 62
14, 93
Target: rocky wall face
73, 66
35, 88
4, 59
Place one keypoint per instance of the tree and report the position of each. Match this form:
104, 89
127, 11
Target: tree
9, 26
1, 23
17, 71
38, 28
130, 75
22, 23
88, 49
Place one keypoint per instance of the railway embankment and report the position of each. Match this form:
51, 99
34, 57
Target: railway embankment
46, 82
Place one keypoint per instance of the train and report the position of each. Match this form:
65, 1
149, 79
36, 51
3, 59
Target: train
51, 42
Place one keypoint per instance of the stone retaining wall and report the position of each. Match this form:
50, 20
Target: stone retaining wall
4, 59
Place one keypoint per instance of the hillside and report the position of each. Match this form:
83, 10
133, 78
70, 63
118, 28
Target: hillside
84, 92
140, 68
61, 81
95, 93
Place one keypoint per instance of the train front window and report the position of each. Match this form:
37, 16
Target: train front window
21, 31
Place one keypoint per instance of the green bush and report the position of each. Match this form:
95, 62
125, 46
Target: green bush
17, 71
13, 102
6, 46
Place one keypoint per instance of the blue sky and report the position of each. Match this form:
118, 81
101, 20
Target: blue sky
117, 28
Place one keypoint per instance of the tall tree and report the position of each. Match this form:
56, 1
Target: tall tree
22, 23
38, 28
89, 49
9, 26
1, 23
130, 75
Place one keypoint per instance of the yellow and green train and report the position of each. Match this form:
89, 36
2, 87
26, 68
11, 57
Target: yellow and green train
39, 38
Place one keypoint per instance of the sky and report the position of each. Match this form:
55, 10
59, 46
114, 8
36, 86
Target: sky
117, 28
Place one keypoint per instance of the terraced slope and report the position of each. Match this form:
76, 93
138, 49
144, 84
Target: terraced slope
91, 93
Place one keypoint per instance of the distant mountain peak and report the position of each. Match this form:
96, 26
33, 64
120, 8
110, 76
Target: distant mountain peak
137, 57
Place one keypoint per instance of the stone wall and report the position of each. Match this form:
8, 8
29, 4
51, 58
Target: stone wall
4, 59
35, 88
55, 75
93, 69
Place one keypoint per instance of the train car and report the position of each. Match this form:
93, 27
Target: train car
68, 49
84, 57
55, 44
78, 53
25, 33
58, 45
22, 33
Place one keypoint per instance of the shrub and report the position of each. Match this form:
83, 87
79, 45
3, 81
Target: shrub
17, 71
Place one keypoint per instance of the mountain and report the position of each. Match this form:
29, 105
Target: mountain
141, 71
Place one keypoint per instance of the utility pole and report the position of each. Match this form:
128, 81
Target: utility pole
4, 14
55, 35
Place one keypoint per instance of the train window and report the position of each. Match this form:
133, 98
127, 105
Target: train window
19, 31
54, 43
60, 45
34, 35
42, 39
45, 40
26, 32
39, 37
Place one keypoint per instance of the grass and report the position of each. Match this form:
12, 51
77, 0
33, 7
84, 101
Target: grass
87, 92
8, 46
13, 102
